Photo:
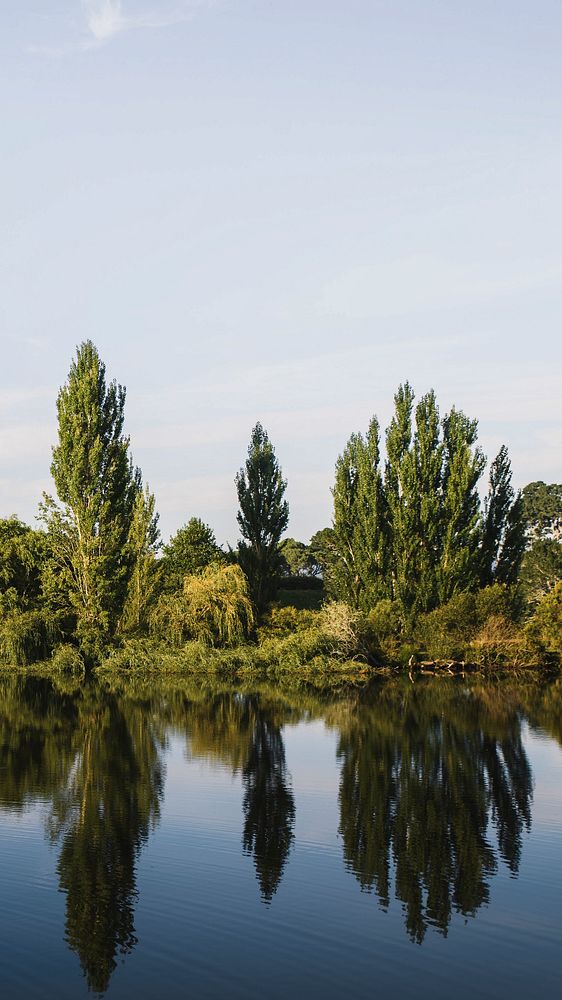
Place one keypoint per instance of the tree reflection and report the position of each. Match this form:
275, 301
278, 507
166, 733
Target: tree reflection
97, 758
269, 806
244, 733
424, 774
103, 815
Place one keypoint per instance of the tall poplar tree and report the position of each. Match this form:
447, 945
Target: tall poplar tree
96, 485
359, 524
263, 516
503, 526
402, 500
463, 464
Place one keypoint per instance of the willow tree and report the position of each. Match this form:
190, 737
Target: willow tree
96, 484
263, 516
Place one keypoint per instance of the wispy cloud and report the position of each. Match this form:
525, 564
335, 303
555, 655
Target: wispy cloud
103, 20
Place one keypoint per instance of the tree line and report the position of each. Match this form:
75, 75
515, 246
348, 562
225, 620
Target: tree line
409, 527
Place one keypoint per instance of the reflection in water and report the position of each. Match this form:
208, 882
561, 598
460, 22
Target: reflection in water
435, 787
424, 772
98, 759
244, 733
269, 806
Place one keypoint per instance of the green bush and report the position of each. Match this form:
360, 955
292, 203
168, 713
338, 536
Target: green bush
544, 629
281, 621
66, 659
384, 628
446, 632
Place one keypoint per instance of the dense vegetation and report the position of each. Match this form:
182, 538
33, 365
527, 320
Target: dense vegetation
415, 567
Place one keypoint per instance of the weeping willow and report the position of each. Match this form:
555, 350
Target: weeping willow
214, 607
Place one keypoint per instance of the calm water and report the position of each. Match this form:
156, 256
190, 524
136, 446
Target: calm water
166, 843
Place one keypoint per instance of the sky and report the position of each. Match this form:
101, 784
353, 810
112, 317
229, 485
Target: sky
278, 210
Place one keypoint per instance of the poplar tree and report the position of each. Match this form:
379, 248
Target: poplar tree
463, 464
143, 545
426, 500
402, 500
503, 526
359, 521
96, 485
263, 516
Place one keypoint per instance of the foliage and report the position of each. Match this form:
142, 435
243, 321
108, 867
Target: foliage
541, 568
89, 527
503, 532
263, 516
214, 608
66, 659
143, 544
27, 636
190, 550
542, 511
23, 553
545, 627
419, 536
359, 528
297, 559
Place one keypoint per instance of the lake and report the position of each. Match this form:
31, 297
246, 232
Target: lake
157, 840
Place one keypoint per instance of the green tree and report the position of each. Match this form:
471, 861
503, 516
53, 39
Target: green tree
503, 530
297, 559
23, 553
359, 527
542, 563
263, 516
402, 500
542, 511
463, 466
190, 550
144, 543
89, 527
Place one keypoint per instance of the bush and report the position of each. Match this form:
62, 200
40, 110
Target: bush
66, 659
544, 629
279, 621
446, 632
385, 625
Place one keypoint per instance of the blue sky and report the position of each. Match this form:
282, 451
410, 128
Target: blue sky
278, 210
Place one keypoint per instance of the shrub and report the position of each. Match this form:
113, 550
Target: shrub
384, 630
66, 659
282, 621
545, 627
344, 626
446, 632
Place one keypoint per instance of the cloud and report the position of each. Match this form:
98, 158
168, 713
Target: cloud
103, 20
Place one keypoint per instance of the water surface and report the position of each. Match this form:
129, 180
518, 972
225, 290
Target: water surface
166, 842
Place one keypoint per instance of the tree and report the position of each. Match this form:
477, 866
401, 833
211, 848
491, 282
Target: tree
191, 549
503, 532
402, 500
144, 543
96, 483
463, 466
359, 521
263, 517
542, 510
23, 553
297, 559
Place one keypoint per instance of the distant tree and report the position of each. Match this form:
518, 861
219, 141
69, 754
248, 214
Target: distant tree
503, 529
189, 551
542, 511
542, 563
297, 559
263, 516
323, 551
90, 525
